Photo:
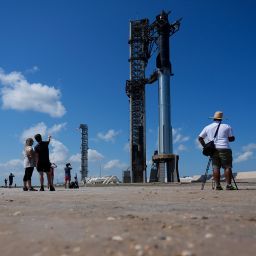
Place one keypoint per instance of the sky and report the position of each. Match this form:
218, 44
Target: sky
64, 63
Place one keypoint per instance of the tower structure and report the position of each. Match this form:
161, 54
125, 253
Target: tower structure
143, 38
135, 90
84, 151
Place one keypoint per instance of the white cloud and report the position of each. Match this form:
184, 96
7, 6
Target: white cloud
18, 94
178, 137
243, 157
246, 154
56, 128
75, 158
109, 135
12, 163
94, 155
15, 166
115, 164
59, 152
42, 129
249, 147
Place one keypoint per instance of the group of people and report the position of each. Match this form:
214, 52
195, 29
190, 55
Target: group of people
217, 131
38, 157
11, 176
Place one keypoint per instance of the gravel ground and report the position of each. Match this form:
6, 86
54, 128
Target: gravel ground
179, 220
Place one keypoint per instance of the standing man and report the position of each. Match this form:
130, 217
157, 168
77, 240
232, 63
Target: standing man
222, 157
5, 183
67, 169
42, 161
11, 176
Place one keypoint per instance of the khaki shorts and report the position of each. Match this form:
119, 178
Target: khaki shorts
222, 158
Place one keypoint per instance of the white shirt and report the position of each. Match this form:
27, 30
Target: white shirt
221, 141
29, 161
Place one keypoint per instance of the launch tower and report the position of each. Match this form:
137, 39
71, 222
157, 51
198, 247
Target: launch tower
84, 151
144, 39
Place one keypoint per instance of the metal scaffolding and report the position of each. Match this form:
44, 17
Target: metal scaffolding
84, 151
135, 90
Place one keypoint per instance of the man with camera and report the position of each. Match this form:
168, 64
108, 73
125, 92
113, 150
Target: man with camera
222, 156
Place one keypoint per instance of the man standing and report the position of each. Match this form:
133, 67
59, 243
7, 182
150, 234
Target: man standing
67, 169
11, 176
42, 161
222, 157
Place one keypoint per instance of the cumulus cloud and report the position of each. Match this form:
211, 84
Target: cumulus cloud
246, 154
18, 94
30, 132
59, 152
115, 164
94, 155
108, 136
12, 163
75, 158
243, 157
42, 129
56, 128
15, 166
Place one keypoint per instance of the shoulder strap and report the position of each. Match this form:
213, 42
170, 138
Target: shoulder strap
217, 130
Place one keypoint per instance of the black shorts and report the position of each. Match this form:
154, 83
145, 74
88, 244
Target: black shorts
44, 167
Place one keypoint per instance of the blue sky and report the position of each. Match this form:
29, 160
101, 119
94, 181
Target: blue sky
65, 62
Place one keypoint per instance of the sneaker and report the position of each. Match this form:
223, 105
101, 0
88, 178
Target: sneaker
42, 188
218, 187
32, 189
52, 188
25, 189
230, 187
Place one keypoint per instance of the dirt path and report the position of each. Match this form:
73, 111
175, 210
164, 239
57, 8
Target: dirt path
179, 220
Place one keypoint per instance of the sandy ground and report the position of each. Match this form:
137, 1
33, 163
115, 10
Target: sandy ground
179, 220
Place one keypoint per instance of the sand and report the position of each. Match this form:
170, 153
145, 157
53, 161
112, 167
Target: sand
179, 220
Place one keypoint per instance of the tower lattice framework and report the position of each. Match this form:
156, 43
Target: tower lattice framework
135, 90
84, 151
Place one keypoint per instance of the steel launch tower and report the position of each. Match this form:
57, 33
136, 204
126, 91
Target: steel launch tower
84, 151
135, 90
144, 38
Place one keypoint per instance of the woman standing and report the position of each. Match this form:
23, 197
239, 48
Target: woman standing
29, 164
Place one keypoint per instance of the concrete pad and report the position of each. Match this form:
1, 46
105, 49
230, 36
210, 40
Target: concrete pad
129, 220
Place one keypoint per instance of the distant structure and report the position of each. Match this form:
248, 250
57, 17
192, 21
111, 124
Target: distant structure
144, 39
84, 151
